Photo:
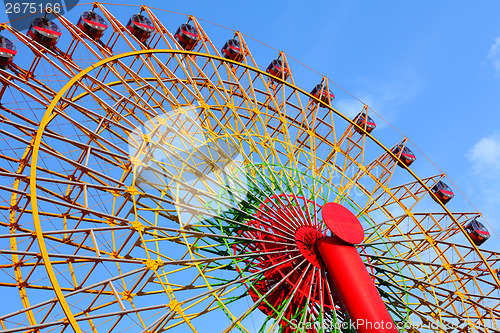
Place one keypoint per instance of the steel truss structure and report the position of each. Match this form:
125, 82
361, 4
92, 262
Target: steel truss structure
149, 188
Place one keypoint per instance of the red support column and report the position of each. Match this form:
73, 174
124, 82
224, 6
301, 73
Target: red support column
348, 273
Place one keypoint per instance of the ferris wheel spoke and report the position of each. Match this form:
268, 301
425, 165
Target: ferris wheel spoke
265, 208
102, 142
262, 298
206, 81
186, 83
162, 321
425, 303
45, 93
203, 211
89, 318
384, 162
459, 271
289, 302
352, 146
173, 262
143, 85
406, 195
76, 238
294, 215
306, 311
80, 208
86, 289
438, 286
209, 214
436, 224
201, 234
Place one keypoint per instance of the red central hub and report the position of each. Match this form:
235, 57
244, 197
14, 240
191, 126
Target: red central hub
307, 240
285, 234
293, 260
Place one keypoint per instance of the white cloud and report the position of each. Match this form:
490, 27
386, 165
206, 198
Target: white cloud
386, 97
485, 157
350, 107
484, 180
494, 55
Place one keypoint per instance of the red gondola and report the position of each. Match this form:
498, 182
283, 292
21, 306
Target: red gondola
187, 36
7, 52
141, 27
44, 31
276, 68
92, 24
407, 157
361, 121
443, 192
231, 50
320, 92
477, 232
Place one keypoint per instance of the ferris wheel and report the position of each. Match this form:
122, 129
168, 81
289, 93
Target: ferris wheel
155, 180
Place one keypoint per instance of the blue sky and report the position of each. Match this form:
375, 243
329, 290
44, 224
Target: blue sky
431, 69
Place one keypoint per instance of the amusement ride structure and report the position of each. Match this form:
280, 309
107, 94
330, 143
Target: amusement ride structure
154, 180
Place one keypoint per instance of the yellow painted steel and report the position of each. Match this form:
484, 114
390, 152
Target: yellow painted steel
53, 109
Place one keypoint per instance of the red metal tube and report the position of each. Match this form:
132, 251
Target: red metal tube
349, 275
355, 288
